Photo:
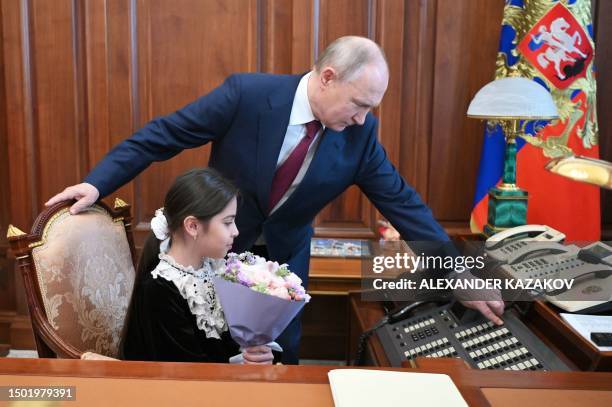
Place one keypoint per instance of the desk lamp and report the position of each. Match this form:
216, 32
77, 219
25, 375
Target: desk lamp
510, 102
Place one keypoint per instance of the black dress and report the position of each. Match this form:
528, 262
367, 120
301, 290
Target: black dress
161, 327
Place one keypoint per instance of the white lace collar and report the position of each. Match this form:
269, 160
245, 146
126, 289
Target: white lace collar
196, 287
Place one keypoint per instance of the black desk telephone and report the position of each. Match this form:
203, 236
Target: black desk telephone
453, 331
536, 252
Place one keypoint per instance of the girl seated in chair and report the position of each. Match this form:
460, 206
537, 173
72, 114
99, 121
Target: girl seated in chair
174, 314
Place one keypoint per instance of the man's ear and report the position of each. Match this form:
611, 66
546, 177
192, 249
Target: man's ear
328, 75
190, 225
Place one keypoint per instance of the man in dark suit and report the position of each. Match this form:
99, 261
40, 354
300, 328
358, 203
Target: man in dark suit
291, 143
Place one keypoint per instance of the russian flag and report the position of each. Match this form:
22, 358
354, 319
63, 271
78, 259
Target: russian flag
566, 205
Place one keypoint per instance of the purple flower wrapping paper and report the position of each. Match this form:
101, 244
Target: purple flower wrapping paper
254, 318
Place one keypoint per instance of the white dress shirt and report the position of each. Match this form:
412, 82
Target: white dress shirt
301, 113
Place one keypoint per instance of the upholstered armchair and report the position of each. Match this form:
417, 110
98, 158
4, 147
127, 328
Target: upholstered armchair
78, 273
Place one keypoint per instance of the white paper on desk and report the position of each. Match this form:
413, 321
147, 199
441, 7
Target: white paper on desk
585, 324
362, 387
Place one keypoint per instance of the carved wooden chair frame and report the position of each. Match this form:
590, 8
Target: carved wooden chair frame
48, 342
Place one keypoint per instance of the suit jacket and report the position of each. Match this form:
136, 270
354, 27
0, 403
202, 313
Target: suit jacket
246, 119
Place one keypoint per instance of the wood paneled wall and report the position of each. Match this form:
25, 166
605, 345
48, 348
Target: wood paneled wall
77, 76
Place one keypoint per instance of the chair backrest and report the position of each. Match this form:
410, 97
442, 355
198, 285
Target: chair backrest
78, 274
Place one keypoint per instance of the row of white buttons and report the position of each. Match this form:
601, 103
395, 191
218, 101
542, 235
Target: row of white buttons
504, 343
525, 365
485, 337
489, 349
420, 325
441, 353
427, 346
503, 358
473, 330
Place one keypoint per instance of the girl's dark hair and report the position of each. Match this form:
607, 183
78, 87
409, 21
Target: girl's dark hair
200, 192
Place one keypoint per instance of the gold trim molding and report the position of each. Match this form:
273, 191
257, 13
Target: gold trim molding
119, 203
46, 229
14, 232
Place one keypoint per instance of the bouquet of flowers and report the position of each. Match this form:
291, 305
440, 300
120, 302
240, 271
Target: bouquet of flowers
259, 299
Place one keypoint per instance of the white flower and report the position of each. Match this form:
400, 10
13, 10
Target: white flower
261, 276
159, 225
293, 280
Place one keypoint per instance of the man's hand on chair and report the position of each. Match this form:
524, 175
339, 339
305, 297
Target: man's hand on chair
85, 194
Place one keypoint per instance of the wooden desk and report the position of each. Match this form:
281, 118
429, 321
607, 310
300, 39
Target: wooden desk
325, 318
580, 351
526, 389
334, 276
362, 316
103, 383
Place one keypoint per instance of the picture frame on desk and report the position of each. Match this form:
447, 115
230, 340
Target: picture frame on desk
352, 248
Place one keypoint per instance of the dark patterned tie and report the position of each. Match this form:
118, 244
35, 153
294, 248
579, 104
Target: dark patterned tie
286, 173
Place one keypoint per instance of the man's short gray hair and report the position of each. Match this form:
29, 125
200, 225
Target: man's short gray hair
347, 55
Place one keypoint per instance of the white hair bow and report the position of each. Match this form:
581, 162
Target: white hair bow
159, 226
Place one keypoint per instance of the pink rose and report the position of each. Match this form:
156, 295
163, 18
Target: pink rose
280, 292
277, 282
261, 276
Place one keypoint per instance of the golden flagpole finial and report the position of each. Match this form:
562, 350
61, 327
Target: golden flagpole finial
14, 232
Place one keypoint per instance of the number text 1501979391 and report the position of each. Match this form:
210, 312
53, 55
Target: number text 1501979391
40, 393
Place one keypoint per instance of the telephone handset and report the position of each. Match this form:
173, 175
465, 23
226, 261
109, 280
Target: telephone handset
535, 250
513, 244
